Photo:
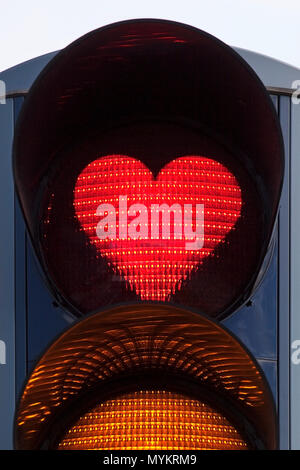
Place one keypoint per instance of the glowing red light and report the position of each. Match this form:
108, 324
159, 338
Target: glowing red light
116, 199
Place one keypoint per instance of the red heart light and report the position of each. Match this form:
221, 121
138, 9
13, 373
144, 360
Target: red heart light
155, 248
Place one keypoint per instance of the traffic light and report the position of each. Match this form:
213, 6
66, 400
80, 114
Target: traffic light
148, 162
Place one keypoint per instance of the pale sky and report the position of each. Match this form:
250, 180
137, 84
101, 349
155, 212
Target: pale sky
29, 28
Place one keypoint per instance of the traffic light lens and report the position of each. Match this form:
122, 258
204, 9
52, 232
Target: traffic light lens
152, 420
143, 347
152, 92
154, 232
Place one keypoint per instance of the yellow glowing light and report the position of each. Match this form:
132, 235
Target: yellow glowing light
158, 420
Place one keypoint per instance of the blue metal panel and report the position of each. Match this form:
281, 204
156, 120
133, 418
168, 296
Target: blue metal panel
22, 76
270, 71
45, 319
21, 299
256, 324
284, 282
295, 274
20, 284
7, 303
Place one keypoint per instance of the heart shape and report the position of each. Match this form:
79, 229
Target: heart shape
155, 248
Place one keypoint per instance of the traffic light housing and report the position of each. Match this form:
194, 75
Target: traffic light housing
178, 118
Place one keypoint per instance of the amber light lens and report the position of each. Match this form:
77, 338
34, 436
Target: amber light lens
152, 420
155, 346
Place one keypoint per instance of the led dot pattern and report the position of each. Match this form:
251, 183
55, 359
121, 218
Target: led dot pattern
149, 420
155, 268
